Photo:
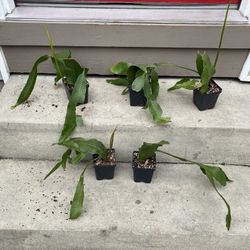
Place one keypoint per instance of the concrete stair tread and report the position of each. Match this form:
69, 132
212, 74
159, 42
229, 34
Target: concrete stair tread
107, 106
179, 208
217, 135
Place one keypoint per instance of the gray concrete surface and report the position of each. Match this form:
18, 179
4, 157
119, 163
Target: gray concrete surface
178, 210
217, 135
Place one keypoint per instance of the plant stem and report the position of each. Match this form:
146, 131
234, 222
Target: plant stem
222, 34
176, 66
53, 52
177, 157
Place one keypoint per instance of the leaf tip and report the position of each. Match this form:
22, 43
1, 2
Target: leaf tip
13, 107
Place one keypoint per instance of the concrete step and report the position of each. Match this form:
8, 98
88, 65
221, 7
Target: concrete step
178, 210
217, 135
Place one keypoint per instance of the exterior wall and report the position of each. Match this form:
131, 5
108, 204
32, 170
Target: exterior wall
99, 43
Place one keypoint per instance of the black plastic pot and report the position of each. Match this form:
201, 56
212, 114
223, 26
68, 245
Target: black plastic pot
137, 98
207, 100
105, 170
142, 174
69, 92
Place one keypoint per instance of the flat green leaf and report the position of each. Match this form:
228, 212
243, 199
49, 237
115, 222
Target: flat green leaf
199, 63
186, 83
90, 146
207, 73
132, 72
58, 62
139, 82
125, 91
69, 123
156, 112
147, 90
77, 96
63, 54
30, 84
77, 203
154, 84
62, 163
79, 157
120, 68
216, 173
72, 69
111, 142
147, 150
119, 82
213, 173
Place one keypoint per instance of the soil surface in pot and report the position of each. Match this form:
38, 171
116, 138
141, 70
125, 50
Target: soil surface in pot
213, 88
148, 164
102, 163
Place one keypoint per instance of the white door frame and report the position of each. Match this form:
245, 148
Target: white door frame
6, 6
245, 73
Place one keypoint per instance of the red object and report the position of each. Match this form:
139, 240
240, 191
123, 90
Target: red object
164, 1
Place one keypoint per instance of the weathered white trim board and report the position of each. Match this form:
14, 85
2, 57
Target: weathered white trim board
6, 6
245, 9
4, 69
245, 73
118, 15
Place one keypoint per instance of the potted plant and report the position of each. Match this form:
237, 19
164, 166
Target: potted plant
205, 90
66, 68
143, 85
78, 149
105, 167
146, 157
74, 79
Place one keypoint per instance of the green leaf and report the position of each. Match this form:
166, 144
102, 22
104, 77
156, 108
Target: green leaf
91, 146
216, 173
207, 73
139, 82
213, 173
30, 84
156, 112
154, 84
77, 96
69, 123
199, 63
147, 150
125, 91
63, 54
79, 157
186, 83
58, 62
77, 203
147, 89
131, 74
62, 163
111, 143
119, 82
120, 68
72, 69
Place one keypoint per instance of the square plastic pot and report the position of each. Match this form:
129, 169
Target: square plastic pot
142, 174
137, 98
207, 100
104, 171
